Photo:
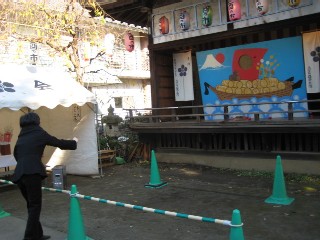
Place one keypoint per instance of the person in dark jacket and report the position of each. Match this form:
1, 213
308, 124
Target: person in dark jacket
30, 171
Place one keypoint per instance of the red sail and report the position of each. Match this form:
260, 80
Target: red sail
245, 62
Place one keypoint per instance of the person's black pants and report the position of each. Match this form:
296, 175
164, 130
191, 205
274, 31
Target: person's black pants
30, 187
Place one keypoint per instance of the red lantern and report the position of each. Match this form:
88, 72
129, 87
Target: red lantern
129, 41
164, 25
234, 9
184, 20
262, 6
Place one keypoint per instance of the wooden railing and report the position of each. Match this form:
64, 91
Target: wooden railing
151, 115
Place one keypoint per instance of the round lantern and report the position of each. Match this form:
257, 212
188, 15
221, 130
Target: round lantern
164, 25
129, 41
262, 6
109, 40
184, 20
234, 10
293, 3
207, 16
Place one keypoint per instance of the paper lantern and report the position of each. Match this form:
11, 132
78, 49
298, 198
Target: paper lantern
109, 40
164, 25
234, 9
262, 6
129, 41
184, 20
207, 16
86, 51
293, 3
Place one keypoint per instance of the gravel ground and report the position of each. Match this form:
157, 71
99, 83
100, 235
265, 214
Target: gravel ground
195, 190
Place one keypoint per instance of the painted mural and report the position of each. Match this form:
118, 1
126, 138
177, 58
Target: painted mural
264, 72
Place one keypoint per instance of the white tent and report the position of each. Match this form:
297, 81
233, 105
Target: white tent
66, 110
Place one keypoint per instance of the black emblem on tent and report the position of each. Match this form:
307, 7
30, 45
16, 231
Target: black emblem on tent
41, 85
6, 87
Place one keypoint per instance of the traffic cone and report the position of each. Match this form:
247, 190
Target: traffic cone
155, 181
236, 232
75, 228
3, 213
279, 193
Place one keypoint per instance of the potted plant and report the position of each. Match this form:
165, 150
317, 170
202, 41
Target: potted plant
5, 139
7, 134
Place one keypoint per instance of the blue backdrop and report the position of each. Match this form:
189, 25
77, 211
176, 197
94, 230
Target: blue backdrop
270, 71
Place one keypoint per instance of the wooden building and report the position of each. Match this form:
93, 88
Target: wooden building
184, 131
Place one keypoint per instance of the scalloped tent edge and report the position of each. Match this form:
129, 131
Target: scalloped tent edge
65, 107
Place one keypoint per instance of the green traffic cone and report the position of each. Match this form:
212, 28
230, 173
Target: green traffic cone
279, 193
236, 232
155, 181
75, 228
3, 213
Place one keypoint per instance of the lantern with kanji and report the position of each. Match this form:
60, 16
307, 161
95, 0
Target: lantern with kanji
109, 40
86, 49
207, 16
234, 10
293, 3
184, 20
262, 6
164, 25
129, 41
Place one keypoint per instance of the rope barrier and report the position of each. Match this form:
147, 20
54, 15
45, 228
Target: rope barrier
140, 208
56, 190
158, 211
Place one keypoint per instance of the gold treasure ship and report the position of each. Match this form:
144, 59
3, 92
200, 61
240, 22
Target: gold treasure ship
245, 89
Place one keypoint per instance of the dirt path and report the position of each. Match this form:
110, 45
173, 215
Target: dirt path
195, 190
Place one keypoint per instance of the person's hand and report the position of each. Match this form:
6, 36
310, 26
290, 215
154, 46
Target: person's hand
75, 139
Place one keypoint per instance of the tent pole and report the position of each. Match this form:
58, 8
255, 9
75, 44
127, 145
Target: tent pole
98, 139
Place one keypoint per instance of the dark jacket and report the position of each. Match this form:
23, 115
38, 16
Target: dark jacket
29, 149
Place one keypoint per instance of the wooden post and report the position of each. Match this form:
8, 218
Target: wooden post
173, 113
256, 117
131, 115
290, 111
226, 111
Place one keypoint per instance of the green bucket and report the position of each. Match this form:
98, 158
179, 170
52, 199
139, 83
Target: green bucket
119, 160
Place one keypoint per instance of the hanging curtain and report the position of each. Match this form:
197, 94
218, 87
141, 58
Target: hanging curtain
311, 50
183, 80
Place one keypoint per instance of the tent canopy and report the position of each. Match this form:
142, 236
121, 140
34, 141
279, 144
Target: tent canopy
65, 108
34, 87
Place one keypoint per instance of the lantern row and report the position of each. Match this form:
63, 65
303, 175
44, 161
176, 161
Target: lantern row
234, 13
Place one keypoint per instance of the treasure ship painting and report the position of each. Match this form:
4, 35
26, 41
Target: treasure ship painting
271, 71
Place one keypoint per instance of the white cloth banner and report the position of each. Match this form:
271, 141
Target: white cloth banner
183, 80
311, 48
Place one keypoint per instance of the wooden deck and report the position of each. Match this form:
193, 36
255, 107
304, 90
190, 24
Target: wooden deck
231, 126
234, 133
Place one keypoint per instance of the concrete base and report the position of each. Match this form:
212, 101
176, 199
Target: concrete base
242, 161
